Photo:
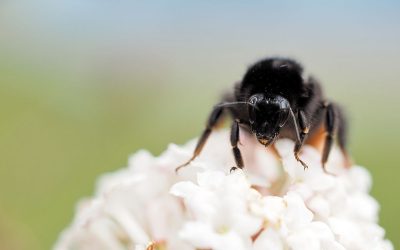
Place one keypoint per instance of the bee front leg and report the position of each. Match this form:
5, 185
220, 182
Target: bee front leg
213, 120
300, 134
234, 142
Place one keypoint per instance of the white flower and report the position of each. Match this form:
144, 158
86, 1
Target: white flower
219, 205
271, 204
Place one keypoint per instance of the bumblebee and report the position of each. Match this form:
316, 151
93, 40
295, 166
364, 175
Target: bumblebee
275, 100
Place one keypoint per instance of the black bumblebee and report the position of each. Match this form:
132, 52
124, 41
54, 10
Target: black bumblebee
275, 100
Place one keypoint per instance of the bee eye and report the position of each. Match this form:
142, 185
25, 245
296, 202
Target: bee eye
256, 98
253, 100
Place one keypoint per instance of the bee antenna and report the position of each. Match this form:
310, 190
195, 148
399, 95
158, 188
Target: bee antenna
230, 104
295, 124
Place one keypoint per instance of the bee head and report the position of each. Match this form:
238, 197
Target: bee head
267, 115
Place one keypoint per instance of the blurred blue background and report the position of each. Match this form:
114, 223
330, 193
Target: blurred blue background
85, 83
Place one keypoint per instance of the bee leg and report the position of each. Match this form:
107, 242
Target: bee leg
330, 126
234, 142
302, 135
213, 120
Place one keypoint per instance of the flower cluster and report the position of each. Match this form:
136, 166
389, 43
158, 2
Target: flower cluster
272, 204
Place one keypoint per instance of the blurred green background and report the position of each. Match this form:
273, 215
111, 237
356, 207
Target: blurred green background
83, 84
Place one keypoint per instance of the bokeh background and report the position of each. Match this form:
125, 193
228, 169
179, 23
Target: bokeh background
83, 84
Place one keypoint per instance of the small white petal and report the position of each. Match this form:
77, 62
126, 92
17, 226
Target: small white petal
210, 179
269, 239
303, 240
321, 182
198, 234
296, 213
184, 189
230, 240
133, 229
364, 207
272, 209
331, 245
359, 179
319, 206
